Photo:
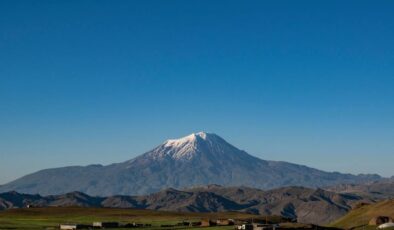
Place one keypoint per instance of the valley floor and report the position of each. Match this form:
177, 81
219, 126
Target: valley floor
43, 218
52, 217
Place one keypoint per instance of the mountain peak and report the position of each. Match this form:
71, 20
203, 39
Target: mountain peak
185, 147
187, 139
203, 135
190, 146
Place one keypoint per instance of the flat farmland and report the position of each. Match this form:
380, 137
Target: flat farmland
51, 217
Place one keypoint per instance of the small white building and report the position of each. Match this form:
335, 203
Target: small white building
68, 226
245, 227
105, 224
263, 227
74, 226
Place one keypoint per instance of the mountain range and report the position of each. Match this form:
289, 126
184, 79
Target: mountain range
377, 190
305, 205
197, 159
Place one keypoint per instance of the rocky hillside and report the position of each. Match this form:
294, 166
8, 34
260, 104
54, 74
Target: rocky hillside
307, 205
359, 217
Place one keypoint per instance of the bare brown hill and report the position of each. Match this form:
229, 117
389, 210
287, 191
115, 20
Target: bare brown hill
305, 205
359, 217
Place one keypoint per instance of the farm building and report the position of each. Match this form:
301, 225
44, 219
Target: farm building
68, 226
380, 220
263, 227
73, 226
224, 222
245, 227
207, 223
105, 224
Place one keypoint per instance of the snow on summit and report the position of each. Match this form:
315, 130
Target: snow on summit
185, 147
184, 140
188, 147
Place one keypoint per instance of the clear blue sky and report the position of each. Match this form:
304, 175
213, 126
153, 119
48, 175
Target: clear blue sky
310, 82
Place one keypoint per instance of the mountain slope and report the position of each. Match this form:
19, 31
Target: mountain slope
197, 159
307, 205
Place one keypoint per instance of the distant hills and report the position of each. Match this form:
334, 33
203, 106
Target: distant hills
197, 159
377, 190
302, 204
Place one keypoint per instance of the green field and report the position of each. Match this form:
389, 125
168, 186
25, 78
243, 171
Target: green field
42, 218
51, 217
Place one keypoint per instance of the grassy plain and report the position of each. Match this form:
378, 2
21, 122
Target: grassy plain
42, 218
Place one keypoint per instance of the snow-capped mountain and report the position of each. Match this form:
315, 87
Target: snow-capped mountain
197, 159
184, 148
195, 145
